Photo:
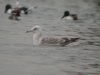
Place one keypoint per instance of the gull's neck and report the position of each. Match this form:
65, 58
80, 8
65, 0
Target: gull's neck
37, 37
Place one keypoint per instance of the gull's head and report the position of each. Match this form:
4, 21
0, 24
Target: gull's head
35, 29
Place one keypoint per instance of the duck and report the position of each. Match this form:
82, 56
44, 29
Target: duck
39, 39
15, 14
8, 8
69, 16
22, 9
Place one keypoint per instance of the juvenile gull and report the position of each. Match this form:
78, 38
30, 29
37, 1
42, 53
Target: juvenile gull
38, 39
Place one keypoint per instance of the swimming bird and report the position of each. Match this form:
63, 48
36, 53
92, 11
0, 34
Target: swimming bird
8, 8
18, 8
16, 12
69, 16
38, 38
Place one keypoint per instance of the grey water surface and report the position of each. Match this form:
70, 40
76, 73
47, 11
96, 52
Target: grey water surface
19, 57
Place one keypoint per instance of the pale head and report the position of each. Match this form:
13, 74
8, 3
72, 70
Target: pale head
35, 29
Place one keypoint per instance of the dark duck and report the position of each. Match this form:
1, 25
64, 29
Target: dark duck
69, 16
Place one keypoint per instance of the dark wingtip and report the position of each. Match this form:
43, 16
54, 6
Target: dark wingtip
74, 39
68, 41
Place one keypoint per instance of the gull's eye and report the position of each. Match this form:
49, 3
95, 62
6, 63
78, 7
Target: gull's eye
35, 28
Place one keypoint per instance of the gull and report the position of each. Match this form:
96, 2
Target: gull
39, 39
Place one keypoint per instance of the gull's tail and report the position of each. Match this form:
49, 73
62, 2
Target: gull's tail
68, 41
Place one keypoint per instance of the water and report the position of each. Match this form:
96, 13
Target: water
19, 57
